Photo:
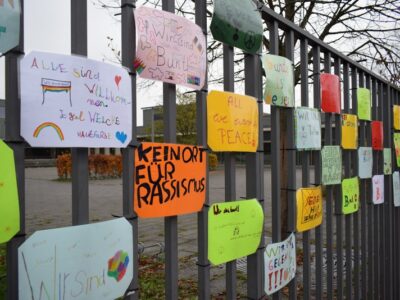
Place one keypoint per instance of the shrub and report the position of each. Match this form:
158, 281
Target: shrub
212, 161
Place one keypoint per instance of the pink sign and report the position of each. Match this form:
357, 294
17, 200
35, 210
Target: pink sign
169, 48
330, 93
378, 190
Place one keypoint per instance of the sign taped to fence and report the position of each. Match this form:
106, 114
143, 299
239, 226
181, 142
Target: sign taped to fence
237, 23
170, 179
349, 131
331, 158
308, 128
378, 189
396, 117
396, 142
377, 135
169, 48
350, 195
364, 104
79, 262
234, 230
232, 122
71, 101
309, 208
279, 82
280, 264
10, 14
9, 201
396, 188
365, 162
330, 93
387, 161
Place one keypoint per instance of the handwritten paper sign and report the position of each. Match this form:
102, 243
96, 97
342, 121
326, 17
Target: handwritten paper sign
365, 162
232, 122
396, 117
279, 82
396, 140
234, 230
238, 24
309, 208
280, 264
79, 262
170, 179
378, 190
330, 93
10, 12
396, 188
377, 135
350, 195
71, 101
169, 48
364, 104
9, 204
387, 161
349, 131
308, 128
331, 157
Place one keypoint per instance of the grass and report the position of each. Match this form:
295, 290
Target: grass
2, 271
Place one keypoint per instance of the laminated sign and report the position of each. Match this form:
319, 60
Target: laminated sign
309, 208
349, 131
169, 48
365, 162
232, 122
377, 135
396, 117
71, 101
279, 82
364, 104
308, 128
280, 264
331, 158
9, 204
350, 195
387, 161
10, 14
170, 179
378, 189
83, 262
330, 93
238, 24
396, 188
396, 140
234, 230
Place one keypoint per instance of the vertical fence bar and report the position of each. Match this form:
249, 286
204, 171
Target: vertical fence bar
317, 175
80, 170
230, 173
338, 211
128, 50
16, 143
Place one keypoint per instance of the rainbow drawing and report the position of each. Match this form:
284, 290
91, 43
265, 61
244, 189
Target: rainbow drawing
117, 265
138, 65
48, 124
56, 86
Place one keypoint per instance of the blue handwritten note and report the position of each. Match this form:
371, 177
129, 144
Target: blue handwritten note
308, 128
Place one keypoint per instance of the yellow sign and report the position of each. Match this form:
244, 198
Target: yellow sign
396, 117
309, 208
232, 122
349, 131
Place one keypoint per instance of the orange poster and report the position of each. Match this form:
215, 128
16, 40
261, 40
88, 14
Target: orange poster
170, 179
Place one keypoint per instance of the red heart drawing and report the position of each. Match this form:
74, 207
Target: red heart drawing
117, 80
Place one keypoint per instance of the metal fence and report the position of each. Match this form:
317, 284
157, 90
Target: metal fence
353, 256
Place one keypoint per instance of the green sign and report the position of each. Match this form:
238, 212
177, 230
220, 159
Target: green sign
396, 140
237, 23
387, 161
350, 195
331, 157
364, 104
234, 230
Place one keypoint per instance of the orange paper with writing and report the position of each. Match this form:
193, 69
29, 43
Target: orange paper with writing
170, 179
396, 117
232, 121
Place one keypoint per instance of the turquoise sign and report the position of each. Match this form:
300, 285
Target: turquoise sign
10, 11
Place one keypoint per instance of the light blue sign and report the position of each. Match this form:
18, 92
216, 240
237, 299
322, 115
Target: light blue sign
365, 162
10, 12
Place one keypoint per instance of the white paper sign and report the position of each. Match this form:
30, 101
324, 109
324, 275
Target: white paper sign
396, 188
280, 264
308, 128
71, 101
365, 162
378, 189
79, 262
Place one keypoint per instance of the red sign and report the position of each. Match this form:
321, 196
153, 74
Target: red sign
330, 93
377, 135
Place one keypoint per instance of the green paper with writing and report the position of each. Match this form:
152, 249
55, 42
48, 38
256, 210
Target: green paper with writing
364, 104
387, 161
331, 157
396, 140
237, 23
234, 230
350, 195
9, 205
